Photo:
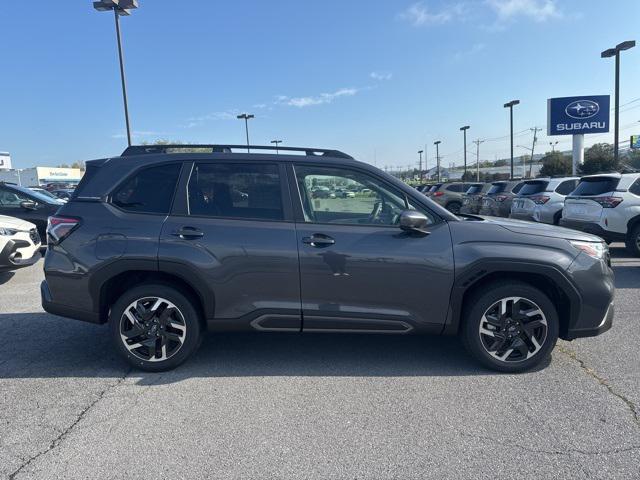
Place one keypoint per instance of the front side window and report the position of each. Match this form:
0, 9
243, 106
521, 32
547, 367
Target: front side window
236, 190
12, 198
148, 191
367, 201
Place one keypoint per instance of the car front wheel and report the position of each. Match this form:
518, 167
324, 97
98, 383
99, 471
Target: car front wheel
155, 327
510, 327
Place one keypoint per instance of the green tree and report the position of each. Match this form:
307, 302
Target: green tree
556, 163
599, 159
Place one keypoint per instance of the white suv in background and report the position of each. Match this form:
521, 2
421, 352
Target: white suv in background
19, 243
542, 199
607, 205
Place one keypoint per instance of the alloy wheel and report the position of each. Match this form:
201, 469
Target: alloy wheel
152, 329
513, 329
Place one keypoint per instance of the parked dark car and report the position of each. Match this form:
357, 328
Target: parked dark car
449, 195
26, 204
155, 245
497, 202
472, 198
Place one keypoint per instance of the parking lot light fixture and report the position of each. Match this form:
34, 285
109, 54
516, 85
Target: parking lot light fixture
437, 144
246, 117
120, 8
615, 52
510, 106
276, 142
464, 131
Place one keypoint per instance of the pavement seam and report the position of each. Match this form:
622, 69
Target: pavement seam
56, 441
602, 381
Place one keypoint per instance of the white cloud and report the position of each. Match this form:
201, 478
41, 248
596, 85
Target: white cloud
537, 10
323, 98
381, 75
475, 48
420, 15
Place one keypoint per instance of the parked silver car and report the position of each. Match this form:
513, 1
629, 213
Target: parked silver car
542, 199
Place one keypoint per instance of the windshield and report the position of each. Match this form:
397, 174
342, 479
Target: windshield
531, 188
40, 197
596, 186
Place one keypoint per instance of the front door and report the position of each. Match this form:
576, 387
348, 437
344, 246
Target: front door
358, 270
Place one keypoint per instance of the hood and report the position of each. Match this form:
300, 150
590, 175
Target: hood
541, 229
15, 223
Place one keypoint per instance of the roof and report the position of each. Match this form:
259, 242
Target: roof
228, 149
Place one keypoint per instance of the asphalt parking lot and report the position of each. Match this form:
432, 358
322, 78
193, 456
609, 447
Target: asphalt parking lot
313, 406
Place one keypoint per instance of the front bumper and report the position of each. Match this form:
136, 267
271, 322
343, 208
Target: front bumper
11, 259
593, 228
605, 324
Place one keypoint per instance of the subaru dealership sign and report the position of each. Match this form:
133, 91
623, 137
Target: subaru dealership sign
578, 115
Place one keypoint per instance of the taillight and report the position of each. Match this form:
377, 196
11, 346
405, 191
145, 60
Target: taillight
438, 194
608, 202
59, 228
539, 199
501, 198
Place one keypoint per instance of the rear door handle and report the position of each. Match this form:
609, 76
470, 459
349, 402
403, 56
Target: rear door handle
188, 232
318, 240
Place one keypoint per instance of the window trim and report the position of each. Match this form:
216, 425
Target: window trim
109, 196
299, 208
182, 201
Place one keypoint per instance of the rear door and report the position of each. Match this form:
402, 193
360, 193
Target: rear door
358, 270
231, 234
582, 204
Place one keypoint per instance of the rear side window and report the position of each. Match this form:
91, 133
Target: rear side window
566, 187
531, 188
148, 191
518, 187
596, 186
435, 188
455, 188
236, 190
635, 188
89, 173
473, 189
496, 188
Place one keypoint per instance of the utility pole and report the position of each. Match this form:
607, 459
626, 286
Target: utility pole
535, 131
510, 106
478, 142
464, 131
420, 164
437, 144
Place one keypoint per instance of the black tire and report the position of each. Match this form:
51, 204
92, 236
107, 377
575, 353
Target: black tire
557, 217
187, 314
454, 207
478, 305
632, 241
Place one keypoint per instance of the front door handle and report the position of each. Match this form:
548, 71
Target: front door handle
188, 232
318, 240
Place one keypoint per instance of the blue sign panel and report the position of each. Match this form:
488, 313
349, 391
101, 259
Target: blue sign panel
578, 115
635, 141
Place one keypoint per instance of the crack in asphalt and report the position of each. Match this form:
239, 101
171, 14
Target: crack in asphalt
567, 451
56, 441
602, 381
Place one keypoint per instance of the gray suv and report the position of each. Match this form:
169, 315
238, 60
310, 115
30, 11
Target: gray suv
497, 202
449, 195
163, 244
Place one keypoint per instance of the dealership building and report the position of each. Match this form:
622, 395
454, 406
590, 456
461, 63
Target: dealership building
39, 176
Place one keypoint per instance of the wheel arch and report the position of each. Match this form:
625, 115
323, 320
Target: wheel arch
546, 278
632, 223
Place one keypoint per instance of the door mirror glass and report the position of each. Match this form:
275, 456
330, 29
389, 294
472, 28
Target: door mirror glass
28, 204
414, 221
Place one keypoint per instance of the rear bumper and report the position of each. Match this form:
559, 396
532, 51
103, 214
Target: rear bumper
593, 228
64, 310
10, 258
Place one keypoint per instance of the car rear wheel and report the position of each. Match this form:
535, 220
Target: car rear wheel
510, 327
155, 327
454, 207
633, 240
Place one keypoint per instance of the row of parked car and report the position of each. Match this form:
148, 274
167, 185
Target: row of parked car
607, 205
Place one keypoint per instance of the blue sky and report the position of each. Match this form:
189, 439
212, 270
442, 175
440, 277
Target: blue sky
378, 79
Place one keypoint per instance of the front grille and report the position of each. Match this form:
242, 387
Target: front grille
34, 235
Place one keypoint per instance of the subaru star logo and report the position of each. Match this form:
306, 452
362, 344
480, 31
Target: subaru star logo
582, 109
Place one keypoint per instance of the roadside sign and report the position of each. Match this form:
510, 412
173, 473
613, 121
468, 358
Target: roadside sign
578, 115
635, 141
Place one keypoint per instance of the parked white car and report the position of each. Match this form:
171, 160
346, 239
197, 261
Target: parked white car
542, 199
607, 205
19, 243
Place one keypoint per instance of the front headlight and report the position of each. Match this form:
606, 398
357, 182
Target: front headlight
9, 232
596, 250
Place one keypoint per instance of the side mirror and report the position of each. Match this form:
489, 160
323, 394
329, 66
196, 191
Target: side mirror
414, 221
28, 205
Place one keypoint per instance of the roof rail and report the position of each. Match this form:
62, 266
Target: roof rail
210, 148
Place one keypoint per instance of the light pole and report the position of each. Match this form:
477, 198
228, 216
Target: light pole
464, 131
510, 106
277, 142
478, 142
615, 52
420, 152
437, 143
553, 145
120, 7
246, 117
